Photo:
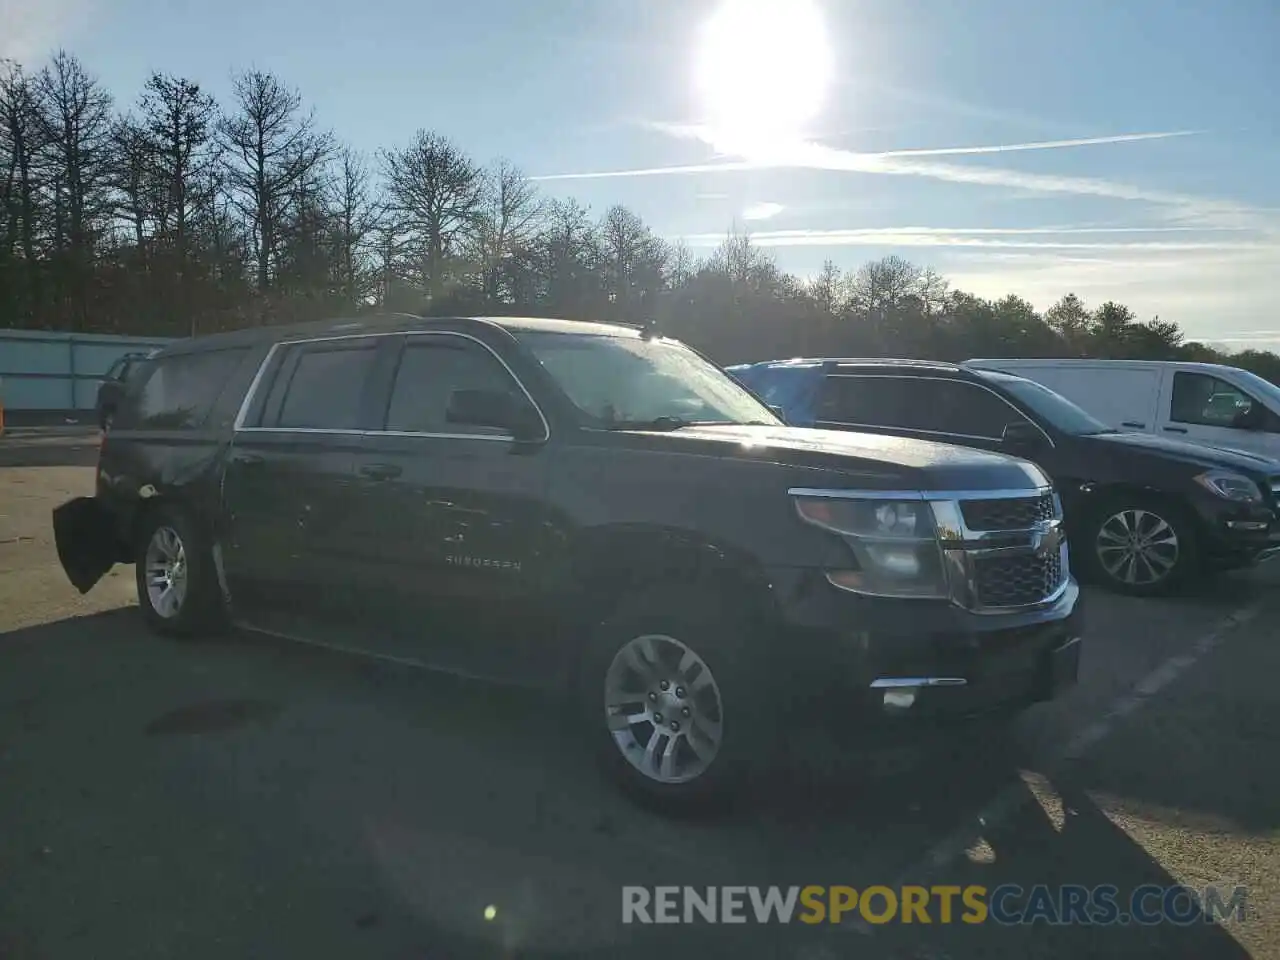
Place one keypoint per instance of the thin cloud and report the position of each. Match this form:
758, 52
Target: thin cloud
908, 163
981, 238
762, 211
828, 158
30, 30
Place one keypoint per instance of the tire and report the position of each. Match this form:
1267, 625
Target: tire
1161, 559
680, 713
171, 542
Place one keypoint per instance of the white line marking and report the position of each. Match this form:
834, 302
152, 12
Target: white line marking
1013, 797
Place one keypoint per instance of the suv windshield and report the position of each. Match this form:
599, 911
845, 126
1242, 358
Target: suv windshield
1053, 407
1262, 387
618, 381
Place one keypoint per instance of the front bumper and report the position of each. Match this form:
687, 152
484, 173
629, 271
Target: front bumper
855, 661
1236, 533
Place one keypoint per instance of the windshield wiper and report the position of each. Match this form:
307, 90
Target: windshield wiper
662, 423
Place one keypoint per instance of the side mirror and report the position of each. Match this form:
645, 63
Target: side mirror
778, 412
1022, 435
497, 409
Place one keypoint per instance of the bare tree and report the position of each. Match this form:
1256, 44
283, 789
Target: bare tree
829, 289
633, 260
508, 220
680, 265
434, 192
353, 213
20, 143
76, 125
132, 176
568, 259
272, 147
178, 119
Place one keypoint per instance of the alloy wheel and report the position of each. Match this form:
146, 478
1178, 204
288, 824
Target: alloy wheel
1137, 547
166, 572
664, 708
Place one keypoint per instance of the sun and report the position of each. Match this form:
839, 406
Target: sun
763, 69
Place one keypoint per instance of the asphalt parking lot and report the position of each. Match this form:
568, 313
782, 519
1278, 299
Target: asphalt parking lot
248, 797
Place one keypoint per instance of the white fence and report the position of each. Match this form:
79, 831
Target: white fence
42, 370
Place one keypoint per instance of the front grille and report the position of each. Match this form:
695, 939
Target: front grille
1021, 513
1016, 581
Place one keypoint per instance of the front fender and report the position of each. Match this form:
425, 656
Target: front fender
607, 561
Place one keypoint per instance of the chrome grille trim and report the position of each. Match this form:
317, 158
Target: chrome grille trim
966, 549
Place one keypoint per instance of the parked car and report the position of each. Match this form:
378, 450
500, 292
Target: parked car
1207, 403
112, 386
1143, 513
589, 507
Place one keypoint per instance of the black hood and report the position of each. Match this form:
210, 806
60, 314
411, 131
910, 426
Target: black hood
881, 462
1184, 451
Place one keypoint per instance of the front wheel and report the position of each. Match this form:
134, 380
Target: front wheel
1138, 547
666, 692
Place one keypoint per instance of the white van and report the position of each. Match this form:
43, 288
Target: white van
1206, 403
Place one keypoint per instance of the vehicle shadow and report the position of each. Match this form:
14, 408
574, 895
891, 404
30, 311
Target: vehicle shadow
1058, 836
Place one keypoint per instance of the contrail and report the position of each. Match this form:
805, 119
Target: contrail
811, 155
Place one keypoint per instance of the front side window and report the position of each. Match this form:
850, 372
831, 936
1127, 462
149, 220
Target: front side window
617, 381
1205, 400
961, 409
431, 369
320, 387
177, 392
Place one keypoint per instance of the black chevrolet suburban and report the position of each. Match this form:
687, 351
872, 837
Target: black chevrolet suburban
1144, 514
588, 506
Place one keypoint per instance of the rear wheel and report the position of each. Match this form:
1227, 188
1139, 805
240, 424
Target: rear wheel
1140, 547
175, 575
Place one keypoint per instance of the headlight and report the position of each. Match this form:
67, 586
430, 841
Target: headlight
1230, 486
894, 547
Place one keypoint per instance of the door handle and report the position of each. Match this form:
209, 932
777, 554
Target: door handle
247, 459
380, 471
1130, 423
1176, 429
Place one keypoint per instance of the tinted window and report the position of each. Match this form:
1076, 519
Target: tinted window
1206, 400
431, 369
963, 409
916, 403
319, 388
871, 401
177, 392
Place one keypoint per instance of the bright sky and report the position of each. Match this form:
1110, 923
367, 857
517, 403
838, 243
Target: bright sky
1120, 149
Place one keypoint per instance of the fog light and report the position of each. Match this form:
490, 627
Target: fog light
903, 698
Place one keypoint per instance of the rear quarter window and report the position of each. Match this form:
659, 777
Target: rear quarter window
176, 392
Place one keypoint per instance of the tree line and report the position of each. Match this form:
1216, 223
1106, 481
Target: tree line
173, 215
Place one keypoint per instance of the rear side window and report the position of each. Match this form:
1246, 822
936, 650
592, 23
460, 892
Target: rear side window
320, 387
867, 401
177, 392
431, 369
1205, 400
926, 405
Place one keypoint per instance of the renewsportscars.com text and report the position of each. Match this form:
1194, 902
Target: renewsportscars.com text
1066, 904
